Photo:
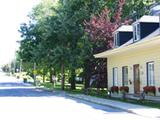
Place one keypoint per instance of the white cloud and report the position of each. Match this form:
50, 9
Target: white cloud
12, 13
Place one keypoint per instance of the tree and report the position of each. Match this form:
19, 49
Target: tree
101, 27
74, 12
31, 49
56, 38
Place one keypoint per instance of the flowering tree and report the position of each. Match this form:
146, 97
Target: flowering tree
102, 26
100, 29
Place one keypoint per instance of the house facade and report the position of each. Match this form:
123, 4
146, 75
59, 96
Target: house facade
136, 63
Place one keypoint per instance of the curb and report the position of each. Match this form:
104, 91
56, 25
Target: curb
112, 106
44, 89
87, 99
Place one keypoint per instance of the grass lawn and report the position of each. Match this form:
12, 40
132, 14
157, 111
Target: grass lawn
100, 94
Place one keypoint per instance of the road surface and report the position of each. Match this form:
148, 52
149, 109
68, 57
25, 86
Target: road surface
20, 101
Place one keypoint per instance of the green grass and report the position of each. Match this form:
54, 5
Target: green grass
140, 102
145, 103
100, 94
103, 94
47, 85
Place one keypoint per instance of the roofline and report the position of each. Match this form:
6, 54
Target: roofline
117, 30
121, 31
152, 42
138, 20
154, 4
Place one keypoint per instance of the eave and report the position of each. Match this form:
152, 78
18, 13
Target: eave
135, 47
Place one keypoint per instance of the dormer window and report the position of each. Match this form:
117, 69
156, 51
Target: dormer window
136, 33
122, 35
116, 39
144, 27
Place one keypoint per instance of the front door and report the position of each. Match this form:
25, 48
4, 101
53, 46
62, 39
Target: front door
136, 73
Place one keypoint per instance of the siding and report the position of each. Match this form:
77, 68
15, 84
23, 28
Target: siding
129, 59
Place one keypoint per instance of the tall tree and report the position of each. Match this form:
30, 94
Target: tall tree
101, 27
56, 36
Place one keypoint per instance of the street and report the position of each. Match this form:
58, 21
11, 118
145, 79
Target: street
19, 101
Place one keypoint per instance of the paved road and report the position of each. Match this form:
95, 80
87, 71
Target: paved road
20, 101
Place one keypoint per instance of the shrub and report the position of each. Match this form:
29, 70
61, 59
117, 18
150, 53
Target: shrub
114, 89
124, 89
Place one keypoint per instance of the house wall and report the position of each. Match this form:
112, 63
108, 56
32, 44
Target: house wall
131, 58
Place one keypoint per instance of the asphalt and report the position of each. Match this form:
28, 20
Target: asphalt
10, 88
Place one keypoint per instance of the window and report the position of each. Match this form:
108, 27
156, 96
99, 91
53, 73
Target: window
136, 33
125, 76
116, 39
115, 76
150, 74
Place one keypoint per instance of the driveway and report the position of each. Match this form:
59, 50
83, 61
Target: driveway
19, 101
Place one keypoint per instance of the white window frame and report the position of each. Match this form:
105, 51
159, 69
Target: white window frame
125, 75
116, 39
150, 74
136, 33
115, 76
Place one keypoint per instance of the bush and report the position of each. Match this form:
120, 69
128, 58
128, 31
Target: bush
124, 89
114, 89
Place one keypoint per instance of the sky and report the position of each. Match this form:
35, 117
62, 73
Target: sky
12, 14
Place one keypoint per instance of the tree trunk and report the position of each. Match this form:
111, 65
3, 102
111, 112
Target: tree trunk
50, 76
86, 82
63, 76
34, 73
87, 74
73, 83
43, 78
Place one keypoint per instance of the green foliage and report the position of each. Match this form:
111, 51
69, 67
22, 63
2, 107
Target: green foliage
55, 39
136, 8
47, 85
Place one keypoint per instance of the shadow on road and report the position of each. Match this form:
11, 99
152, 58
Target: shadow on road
13, 84
10, 87
25, 92
19, 89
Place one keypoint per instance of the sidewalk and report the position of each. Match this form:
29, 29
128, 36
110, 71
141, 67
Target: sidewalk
136, 109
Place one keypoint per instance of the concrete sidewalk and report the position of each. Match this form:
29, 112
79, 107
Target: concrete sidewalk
136, 109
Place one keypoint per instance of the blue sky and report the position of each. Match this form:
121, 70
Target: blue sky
12, 13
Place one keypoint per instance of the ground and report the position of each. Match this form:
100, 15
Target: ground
19, 101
